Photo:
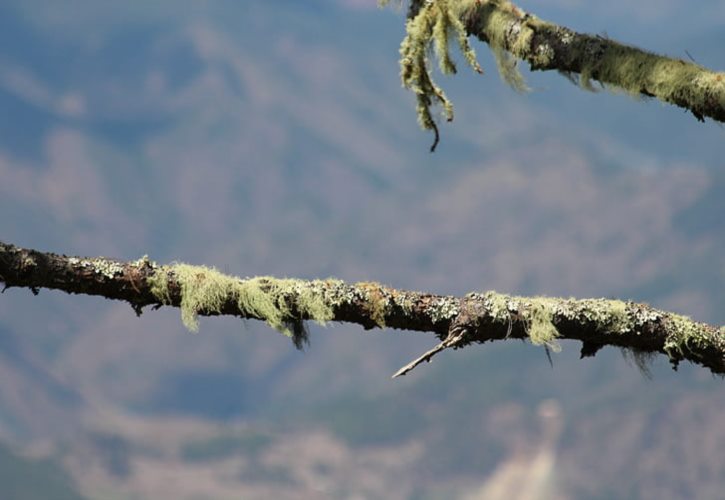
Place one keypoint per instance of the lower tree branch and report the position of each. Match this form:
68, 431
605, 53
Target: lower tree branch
285, 304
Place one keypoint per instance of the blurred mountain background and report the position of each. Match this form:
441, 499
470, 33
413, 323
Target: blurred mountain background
274, 138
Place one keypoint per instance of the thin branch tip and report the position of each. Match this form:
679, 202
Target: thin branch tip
452, 340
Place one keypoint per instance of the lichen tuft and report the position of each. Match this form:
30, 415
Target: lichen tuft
282, 303
684, 334
429, 30
541, 327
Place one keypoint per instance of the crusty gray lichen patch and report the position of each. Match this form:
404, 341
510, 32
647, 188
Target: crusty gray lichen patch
103, 267
609, 316
499, 305
444, 309
28, 262
144, 262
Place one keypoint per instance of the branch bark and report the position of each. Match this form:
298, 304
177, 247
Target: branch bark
286, 304
547, 46
514, 34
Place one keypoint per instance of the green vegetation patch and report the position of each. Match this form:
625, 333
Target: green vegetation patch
282, 303
639, 72
430, 31
541, 326
685, 333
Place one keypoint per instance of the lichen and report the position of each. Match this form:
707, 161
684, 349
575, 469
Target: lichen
641, 73
611, 316
376, 301
541, 329
144, 261
282, 303
106, 268
430, 30
498, 306
510, 34
444, 309
684, 333
101, 266
509, 37
403, 300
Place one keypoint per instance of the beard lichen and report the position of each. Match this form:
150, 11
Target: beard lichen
509, 37
430, 27
641, 73
541, 327
282, 303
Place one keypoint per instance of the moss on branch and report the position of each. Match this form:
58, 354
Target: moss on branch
285, 305
282, 303
514, 35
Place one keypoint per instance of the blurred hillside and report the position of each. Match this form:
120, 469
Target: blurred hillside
273, 138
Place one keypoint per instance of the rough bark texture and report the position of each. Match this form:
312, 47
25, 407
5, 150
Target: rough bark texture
457, 321
546, 46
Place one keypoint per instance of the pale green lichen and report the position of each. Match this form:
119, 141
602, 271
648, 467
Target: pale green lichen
638, 72
282, 303
509, 37
541, 329
538, 312
404, 301
609, 315
430, 29
618, 317
684, 334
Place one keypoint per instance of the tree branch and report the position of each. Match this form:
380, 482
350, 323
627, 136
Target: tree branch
286, 303
546, 46
513, 34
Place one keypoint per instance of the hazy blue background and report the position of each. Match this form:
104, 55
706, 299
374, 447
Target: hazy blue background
274, 138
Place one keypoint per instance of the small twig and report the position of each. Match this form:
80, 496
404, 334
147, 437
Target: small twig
451, 341
437, 139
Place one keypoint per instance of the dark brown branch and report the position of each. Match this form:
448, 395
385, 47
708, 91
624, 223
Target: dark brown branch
475, 318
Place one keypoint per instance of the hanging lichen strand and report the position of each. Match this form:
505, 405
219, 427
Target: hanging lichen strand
513, 35
430, 27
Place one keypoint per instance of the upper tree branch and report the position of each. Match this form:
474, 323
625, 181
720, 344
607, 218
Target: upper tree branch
513, 34
546, 46
285, 304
